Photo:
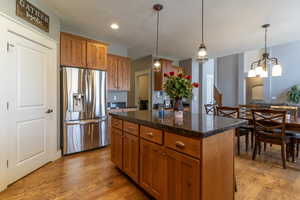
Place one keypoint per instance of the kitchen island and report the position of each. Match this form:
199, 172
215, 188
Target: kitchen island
171, 159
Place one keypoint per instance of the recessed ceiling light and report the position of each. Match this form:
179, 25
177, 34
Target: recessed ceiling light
114, 26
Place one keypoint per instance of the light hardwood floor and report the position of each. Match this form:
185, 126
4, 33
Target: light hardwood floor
91, 176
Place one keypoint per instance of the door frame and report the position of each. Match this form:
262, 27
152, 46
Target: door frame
136, 75
9, 24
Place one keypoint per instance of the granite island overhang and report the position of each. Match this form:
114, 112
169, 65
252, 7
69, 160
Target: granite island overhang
191, 158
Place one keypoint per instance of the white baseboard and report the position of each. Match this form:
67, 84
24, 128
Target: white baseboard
57, 155
3, 187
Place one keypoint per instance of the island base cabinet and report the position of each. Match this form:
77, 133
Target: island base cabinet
153, 169
131, 156
183, 175
117, 147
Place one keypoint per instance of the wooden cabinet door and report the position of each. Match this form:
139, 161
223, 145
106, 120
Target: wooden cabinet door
153, 169
72, 50
96, 55
124, 70
166, 67
131, 156
112, 72
117, 147
183, 175
177, 69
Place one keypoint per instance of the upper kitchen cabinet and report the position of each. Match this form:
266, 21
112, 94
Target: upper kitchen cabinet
73, 50
124, 73
77, 51
96, 55
118, 69
178, 69
112, 72
166, 67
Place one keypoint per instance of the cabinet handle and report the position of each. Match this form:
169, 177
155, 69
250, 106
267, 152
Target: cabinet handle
179, 144
150, 134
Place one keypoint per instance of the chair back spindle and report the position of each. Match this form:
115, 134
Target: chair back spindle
226, 111
268, 121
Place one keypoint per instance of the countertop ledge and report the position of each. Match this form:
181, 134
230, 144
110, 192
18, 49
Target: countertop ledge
192, 125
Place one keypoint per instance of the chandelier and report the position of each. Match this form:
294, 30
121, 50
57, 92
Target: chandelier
260, 67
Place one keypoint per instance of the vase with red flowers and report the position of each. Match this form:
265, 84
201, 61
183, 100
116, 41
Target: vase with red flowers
179, 86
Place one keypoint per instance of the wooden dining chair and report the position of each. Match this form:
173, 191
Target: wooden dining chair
234, 112
291, 110
210, 108
269, 127
246, 114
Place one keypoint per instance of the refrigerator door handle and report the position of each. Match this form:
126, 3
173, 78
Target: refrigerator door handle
83, 122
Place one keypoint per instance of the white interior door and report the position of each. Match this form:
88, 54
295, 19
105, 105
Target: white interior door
29, 123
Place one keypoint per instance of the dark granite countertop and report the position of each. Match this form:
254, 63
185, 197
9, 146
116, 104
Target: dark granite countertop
193, 125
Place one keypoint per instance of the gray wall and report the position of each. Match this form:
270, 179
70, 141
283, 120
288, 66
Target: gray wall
9, 8
289, 57
227, 75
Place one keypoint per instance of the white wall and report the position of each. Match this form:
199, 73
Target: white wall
9, 7
195, 107
206, 71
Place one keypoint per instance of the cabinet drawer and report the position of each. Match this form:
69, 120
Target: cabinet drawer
131, 128
189, 146
117, 123
152, 134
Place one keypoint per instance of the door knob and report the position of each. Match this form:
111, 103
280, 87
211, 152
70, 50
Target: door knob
49, 111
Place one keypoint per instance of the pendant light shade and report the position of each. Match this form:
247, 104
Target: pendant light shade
251, 73
277, 70
260, 67
156, 62
156, 65
202, 54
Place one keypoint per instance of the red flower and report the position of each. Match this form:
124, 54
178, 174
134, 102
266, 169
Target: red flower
188, 77
166, 75
171, 73
196, 85
180, 75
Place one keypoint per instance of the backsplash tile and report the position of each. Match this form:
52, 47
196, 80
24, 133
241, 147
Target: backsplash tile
117, 96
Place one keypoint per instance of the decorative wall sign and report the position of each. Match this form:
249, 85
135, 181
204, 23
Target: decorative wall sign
32, 14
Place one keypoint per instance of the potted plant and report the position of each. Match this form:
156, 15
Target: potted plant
294, 94
179, 86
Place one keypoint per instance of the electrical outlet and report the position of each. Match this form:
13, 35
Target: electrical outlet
115, 98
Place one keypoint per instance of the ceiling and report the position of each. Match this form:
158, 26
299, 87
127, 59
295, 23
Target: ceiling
232, 26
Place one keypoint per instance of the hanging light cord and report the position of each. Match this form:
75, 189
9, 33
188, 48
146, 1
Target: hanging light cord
202, 21
157, 29
266, 40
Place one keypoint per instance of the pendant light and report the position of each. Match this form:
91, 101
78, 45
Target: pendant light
202, 55
156, 62
260, 67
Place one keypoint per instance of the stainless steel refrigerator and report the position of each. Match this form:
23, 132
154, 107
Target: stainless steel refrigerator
84, 115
